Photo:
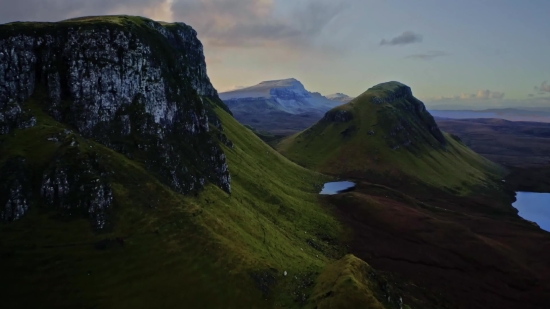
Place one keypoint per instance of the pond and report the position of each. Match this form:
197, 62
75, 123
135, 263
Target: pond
534, 207
331, 188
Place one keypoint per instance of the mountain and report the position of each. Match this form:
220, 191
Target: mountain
387, 133
287, 95
277, 106
339, 97
425, 208
125, 182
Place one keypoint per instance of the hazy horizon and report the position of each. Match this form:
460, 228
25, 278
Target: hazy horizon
467, 55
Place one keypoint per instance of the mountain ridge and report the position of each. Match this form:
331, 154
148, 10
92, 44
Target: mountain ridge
281, 104
385, 130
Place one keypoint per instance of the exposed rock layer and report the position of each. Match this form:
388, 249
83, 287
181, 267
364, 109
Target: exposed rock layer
130, 83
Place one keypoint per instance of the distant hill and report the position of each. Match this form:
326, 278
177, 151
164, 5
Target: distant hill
510, 143
277, 106
512, 114
387, 133
340, 97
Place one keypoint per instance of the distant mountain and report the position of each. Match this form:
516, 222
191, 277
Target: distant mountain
339, 97
287, 95
278, 106
511, 114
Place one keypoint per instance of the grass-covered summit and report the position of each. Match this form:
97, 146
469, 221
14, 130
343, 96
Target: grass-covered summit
386, 134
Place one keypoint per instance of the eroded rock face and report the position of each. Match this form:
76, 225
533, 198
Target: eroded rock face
15, 190
77, 189
400, 93
136, 87
338, 116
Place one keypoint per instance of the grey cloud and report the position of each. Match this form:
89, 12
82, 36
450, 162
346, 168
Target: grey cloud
56, 10
496, 95
232, 23
481, 94
221, 23
544, 87
428, 55
407, 37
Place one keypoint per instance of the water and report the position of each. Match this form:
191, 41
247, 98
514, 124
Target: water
331, 188
534, 207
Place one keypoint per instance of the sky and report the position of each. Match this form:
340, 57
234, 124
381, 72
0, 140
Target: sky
468, 54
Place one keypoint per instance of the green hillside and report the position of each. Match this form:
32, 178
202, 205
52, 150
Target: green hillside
165, 249
386, 134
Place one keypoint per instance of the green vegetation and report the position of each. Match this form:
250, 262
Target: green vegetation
265, 136
388, 141
351, 283
165, 249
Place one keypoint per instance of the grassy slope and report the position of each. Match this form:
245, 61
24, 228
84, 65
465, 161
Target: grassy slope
351, 283
178, 251
322, 147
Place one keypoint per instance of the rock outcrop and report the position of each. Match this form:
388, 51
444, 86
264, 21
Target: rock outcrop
81, 188
15, 189
402, 92
338, 116
408, 118
129, 83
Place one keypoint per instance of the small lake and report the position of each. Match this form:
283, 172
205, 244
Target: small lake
534, 207
331, 188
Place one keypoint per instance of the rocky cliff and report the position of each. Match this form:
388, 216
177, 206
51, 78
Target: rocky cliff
128, 83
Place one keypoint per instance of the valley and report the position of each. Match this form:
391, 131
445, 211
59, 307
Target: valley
128, 181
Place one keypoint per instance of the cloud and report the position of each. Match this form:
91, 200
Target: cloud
245, 23
56, 10
544, 87
486, 94
407, 37
428, 55
219, 23
530, 95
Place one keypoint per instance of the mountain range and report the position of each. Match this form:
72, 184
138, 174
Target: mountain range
284, 104
127, 182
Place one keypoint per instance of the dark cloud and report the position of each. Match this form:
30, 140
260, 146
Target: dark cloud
56, 10
407, 37
544, 87
232, 23
530, 95
428, 55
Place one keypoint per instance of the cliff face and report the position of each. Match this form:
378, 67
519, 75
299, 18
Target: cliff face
129, 83
408, 115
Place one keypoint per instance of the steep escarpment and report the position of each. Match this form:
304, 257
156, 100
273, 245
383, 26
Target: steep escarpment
386, 134
129, 83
